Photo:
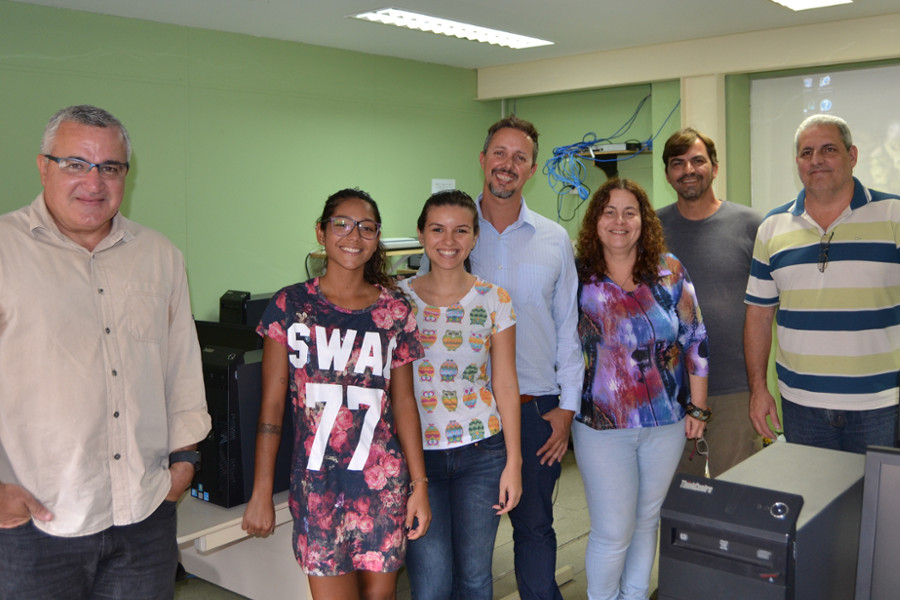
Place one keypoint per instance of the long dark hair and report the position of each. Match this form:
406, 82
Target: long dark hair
651, 244
450, 198
375, 271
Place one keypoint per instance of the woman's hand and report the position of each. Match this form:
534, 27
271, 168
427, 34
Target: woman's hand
694, 428
259, 517
418, 512
510, 488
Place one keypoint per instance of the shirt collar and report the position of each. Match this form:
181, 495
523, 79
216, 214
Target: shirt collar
525, 215
861, 197
40, 219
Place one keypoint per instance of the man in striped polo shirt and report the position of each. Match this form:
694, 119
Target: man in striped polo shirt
828, 261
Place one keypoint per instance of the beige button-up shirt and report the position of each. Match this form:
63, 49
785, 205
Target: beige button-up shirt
100, 373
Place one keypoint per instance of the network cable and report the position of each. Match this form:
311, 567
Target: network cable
566, 169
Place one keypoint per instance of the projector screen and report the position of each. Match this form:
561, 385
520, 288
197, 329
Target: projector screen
866, 98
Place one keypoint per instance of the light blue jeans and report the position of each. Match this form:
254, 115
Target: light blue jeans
626, 474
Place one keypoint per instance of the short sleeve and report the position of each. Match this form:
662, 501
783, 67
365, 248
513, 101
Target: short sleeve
408, 348
505, 315
761, 287
273, 323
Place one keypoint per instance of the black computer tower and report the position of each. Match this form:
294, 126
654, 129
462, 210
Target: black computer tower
233, 381
783, 524
727, 540
242, 308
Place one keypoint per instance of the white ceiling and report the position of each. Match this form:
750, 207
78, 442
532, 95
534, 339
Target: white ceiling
576, 26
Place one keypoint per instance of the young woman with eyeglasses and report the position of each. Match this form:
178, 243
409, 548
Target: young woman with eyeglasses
343, 345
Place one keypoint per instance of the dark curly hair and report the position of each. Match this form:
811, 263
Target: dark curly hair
651, 244
375, 271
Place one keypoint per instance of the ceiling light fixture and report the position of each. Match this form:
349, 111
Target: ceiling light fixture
807, 4
411, 20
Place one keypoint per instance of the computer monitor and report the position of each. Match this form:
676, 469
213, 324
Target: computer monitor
877, 573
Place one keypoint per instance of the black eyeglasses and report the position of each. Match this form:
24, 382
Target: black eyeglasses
78, 167
823, 251
342, 226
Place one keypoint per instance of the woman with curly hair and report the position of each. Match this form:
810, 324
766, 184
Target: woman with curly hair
645, 383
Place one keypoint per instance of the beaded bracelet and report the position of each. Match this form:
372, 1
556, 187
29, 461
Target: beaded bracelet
701, 414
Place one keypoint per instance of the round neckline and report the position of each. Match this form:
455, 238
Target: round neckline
463, 300
349, 311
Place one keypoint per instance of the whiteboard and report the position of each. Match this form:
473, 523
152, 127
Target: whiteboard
868, 99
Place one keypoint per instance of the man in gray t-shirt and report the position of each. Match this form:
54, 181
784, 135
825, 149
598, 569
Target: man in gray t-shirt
714, 241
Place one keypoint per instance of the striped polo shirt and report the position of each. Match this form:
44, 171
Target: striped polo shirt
838, 299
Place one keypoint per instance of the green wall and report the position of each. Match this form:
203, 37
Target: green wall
667, 95
238, 140
737, 124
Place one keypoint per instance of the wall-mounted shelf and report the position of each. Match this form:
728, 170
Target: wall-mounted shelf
611, 167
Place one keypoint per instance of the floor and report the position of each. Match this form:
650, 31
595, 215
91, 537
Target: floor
572, 525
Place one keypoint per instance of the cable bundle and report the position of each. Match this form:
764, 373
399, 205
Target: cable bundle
566, 169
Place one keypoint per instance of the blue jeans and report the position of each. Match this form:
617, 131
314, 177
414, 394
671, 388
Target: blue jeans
534, 540
626, 474
847, 430
134, 562
453, 560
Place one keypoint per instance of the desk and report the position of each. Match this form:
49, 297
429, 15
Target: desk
215, 548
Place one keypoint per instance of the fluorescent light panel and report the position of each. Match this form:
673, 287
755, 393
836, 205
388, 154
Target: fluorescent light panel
807, 4
411, 20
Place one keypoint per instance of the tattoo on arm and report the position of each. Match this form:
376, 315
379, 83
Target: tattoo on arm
268, 428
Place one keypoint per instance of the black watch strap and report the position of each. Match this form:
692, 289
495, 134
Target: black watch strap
189, 456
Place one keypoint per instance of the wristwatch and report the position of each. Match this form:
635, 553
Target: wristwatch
190, 456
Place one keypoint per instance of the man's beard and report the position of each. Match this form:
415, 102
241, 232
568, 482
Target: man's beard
501, 193
695, 191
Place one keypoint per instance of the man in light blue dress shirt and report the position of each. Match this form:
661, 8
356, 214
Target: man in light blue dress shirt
532, 258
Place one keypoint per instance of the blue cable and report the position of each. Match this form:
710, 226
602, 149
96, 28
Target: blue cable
649, 143
566, 169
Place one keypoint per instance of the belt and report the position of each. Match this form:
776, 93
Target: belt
526, 398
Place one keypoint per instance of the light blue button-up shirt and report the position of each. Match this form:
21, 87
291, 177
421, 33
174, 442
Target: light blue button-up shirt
533, 260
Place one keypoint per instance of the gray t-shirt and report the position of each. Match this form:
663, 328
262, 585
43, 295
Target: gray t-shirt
717, 252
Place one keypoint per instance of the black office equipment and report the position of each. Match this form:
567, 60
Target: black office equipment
242, 308
228, 335
233, 379
783, 524
727, 540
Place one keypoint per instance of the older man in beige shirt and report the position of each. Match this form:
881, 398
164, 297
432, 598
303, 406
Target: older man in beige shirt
101, 398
